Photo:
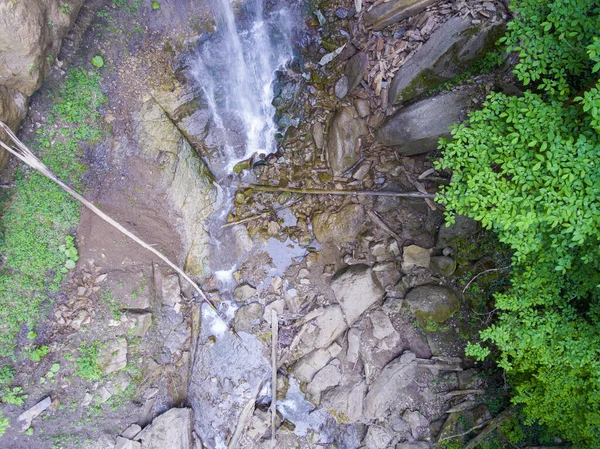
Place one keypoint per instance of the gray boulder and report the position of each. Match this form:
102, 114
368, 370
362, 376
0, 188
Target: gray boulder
171, 430
355, 70
340, 227
248, 316
392, 12
346, 402
417, 129
323, 326
450, 51
356, 289
432, 303
443, 265
342, 139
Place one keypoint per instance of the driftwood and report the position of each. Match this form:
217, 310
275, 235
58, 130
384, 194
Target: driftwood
23, 153
265, 188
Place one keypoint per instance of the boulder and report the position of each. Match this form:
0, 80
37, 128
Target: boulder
340, 227
432, 303
382, 325
113, 356
416, 129
248, 316
346, 402
356, 289
187, 182
323, 326
141, 322
326, 378
414, 445
392, 12
391, 389
244, 292
13, 107
343, 139
415, 256
355, 70
124, 443
462, 228
443, 265
449, 52
171, 430
309, 365
378, 437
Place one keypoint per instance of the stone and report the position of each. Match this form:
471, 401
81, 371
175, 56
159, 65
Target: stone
382, 326
432, 303
356, 69
419, 425
450, 51
171, 430
113, 356
131, 431
443, 265
343, 139
170, 290
462, 228
414, 445
323, 326
125, 443
392, 12
341, 87
186, 181
318, 135
326, 378
277, 305
378, 437
340, 227
353, 351
248, 316
415, 256
305, 369
362, 107
13, 108
346, 402
416, 129
356, 289
390, 389
244, 292
28, 416
142, 323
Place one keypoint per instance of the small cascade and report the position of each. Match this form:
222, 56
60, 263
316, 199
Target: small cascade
235, 69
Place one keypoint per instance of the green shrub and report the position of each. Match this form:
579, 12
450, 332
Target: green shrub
87, 362
4, 422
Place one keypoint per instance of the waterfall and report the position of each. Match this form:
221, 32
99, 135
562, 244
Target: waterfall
235, 69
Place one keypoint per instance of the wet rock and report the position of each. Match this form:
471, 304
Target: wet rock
124, 443
244, 292
248, 316
13, 107
392, 12
443, 265
171, 430
416, 129
432, 303
382, 326
343, 142
378, 437
113, 356
326, 378
346, 402
415, 256
450, 51
462, 228
26, 417
323, 327
356, 289
186, 180
340, 227
391, 390
356, 69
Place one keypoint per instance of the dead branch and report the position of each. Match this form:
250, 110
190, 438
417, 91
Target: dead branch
264, 214
482, 273
379, 222
336, 192
23, 153
491, 425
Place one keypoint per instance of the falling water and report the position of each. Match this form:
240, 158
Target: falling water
236, 68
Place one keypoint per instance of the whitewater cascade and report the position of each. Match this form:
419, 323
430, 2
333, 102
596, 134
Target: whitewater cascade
236, 68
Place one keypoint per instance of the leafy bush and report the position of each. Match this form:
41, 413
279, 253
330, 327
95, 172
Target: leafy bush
14, 396
527, 167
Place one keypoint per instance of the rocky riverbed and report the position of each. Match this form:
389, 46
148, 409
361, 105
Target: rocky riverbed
368, 290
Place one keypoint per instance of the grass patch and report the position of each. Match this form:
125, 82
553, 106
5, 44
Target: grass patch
37, 215
87, 362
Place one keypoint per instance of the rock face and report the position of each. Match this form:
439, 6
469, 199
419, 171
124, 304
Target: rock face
31, 32
171, 430
450, 50
356, 289
432, 303
188, 182
340, 227
416, 129
343, 139
395, 11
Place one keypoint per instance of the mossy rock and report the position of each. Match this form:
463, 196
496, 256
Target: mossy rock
432, 303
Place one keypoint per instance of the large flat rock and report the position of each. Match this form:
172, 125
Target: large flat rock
392, 12
171, 430
343, 139
449, 52
417, 129
356, 289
